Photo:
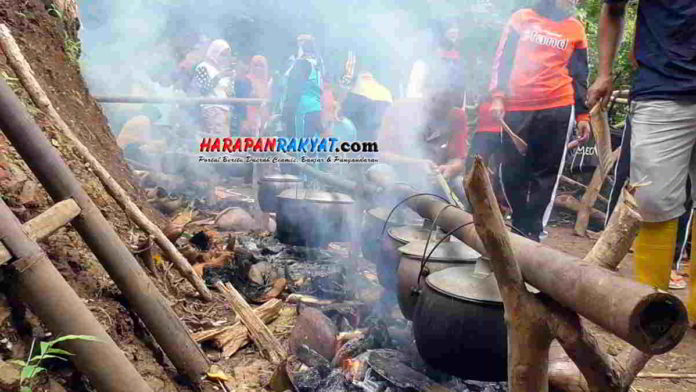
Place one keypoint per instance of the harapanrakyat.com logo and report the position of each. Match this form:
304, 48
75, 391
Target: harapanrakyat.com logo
277, 150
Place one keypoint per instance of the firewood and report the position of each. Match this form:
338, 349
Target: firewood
264, 339
602, 134
144, 253
570, 181
38, 95
589, 198
307, 300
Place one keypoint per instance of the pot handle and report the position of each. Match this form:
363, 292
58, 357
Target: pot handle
427, 242
384, 227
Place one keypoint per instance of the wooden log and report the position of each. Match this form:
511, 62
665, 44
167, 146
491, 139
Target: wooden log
59, 215
231, 341
528, 336
602, 133
570, 181
618, 236
181, 100
264, 339
38, 95
531, 323
568, 202
590, 197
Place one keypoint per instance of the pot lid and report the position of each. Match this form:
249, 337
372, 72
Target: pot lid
410, 233
405, 216
478, 285
316, 196
457, 252
280, 178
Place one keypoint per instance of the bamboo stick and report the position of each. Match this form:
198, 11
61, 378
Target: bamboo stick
38, 95
59, 215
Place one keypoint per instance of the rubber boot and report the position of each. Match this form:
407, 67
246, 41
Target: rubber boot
691, 301
655, 252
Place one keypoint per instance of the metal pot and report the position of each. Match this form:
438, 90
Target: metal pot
373, 222
459, 324
313, 218
271, 186
446, 255
396, 238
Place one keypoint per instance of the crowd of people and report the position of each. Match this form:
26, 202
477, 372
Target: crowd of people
538, 89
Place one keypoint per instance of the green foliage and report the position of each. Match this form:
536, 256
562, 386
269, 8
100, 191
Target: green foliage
73, 48
31, 368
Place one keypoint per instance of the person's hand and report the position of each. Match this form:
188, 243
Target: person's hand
584, 131
450, 169
498, 108
600, 91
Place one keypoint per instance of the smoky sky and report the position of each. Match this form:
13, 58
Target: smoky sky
126, 41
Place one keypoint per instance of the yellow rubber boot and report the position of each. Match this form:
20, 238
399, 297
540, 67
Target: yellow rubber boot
691, 301
654, 253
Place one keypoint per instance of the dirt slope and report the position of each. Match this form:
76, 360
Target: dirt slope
47, 43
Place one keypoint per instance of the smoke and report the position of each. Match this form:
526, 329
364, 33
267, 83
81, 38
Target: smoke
130, 47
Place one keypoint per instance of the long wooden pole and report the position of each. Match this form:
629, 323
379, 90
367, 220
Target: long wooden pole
26, 75
181, 100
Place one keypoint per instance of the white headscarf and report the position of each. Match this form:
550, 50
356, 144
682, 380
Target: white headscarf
215, 50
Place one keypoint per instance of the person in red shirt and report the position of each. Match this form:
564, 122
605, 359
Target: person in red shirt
538, 87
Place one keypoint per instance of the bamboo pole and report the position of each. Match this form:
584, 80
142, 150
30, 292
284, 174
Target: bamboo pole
26, 75
181, 100
59, 215
39, 284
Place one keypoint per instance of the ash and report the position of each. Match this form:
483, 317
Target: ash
375, 345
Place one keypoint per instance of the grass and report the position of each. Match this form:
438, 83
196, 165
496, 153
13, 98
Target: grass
73, 48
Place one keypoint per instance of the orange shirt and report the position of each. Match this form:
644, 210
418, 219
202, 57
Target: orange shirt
541, 63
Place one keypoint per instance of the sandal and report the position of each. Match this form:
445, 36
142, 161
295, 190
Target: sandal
676, 282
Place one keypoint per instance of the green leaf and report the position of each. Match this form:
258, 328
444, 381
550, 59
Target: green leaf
46, 356
58, 352
18, 362
45, 346
30, 371
74, 337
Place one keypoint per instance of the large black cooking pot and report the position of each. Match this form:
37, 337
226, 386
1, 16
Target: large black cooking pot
446, 255
459, 323
314, 218
397, 237
459, 326
271, 186
372, 225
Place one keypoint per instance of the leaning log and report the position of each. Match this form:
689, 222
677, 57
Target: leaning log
37, 94
60, 183
593, 189
39, 284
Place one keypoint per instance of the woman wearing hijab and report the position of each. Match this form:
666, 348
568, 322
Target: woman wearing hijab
538, 86
259, 80
214, 78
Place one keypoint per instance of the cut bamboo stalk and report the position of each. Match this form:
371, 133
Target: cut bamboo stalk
570, 181
59, 215
601, 131
270, 347
38, 95
590, 197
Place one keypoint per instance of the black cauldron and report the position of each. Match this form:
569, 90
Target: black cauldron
271, 186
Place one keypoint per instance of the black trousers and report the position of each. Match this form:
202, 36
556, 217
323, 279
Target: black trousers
530, 180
